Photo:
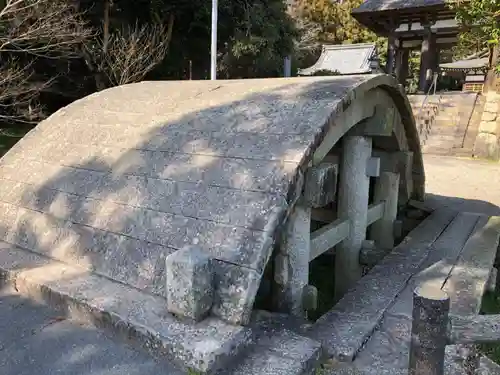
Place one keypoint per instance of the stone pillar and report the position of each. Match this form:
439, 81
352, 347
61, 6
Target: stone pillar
431, 307
426, 59
402, 67
386, 190
291, 264
354, 186
391, 55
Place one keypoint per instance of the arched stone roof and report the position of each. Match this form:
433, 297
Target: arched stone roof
117, 181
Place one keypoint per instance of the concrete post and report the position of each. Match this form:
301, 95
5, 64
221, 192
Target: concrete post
426, 59
354, 186
429, 331
387, 190
291, 265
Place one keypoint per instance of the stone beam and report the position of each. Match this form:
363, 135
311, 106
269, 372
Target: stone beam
291, 271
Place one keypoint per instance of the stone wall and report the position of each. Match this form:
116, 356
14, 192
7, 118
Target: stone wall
487, 143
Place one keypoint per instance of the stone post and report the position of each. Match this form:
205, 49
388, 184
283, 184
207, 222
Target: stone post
429, 331
291, 264
354, 185
386, 190
426, 59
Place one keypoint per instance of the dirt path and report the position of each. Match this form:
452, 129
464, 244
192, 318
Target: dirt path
465, 184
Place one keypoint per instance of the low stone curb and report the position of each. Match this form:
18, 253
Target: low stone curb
205, 347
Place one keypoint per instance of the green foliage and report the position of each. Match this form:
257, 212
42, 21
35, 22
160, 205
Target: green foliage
330, 22
326, 72
480, 20
491, 305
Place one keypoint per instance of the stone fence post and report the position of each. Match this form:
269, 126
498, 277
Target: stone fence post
429, 331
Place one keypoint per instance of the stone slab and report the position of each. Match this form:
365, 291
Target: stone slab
345, 328
206, 202
236, 173
143, 224
206, 346
467, 282
436, 268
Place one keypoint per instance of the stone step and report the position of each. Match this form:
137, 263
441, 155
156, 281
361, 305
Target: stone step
349, 324
205, 347
281, 352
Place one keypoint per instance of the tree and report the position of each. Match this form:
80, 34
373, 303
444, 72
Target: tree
34, 36
330, 22
480, 20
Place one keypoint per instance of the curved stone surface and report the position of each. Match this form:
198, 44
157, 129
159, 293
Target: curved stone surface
117, 181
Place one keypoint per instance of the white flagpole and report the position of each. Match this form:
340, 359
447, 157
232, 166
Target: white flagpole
213, 66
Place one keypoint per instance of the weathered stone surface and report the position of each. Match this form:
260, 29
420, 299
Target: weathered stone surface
345, 328
162, 165
293, 262
487, 117
190, 288
488, 126
342, 335
467, 282
321, 184
235, 287
206, 346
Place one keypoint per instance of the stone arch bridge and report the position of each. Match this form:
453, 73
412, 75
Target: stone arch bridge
162, 203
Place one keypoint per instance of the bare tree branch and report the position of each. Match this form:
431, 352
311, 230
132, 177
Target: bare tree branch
133, 52
48, 28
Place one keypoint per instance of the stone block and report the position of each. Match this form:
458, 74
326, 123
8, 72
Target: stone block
491, 106
189, 283
310, 297
321, 184
486, 146
489, 116
236, 288
373, 167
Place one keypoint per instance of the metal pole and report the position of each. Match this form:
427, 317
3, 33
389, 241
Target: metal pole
288, 67
213, 66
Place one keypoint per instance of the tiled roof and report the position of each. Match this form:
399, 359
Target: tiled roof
381, 5
466, 64
344, 58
